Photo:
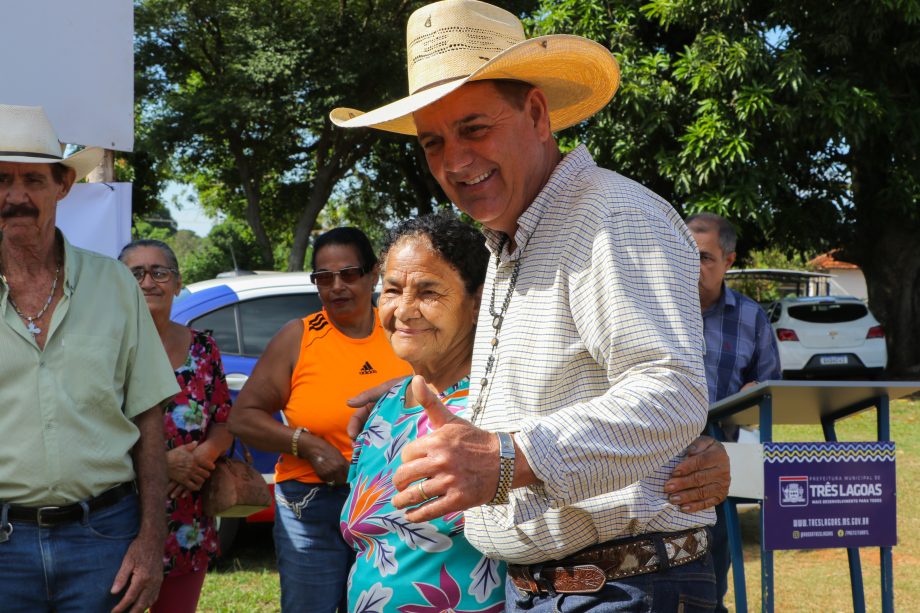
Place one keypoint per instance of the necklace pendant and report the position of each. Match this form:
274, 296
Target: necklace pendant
33, 329
497, 322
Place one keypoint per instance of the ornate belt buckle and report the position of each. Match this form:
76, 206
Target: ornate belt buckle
580, 579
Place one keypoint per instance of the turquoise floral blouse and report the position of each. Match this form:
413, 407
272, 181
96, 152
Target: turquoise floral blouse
401, 566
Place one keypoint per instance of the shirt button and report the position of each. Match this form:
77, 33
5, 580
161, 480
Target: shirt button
41, 364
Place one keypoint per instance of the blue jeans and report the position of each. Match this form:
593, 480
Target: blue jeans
690, 588
721, 557
69, 567
313, 559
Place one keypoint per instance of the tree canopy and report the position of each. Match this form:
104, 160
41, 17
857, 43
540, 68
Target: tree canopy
798, 121
233, 98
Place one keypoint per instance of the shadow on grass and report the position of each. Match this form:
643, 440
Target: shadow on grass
252, 550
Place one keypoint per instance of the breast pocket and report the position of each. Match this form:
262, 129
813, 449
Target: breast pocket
90, 372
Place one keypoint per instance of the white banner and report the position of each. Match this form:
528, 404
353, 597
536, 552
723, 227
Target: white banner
75, 59
97, 216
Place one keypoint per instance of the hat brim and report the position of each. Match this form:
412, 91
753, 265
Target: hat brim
82, 161
577, 75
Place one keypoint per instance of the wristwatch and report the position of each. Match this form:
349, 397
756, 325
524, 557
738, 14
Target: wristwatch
505, 468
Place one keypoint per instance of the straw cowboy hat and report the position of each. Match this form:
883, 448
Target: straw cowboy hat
26, 136
452, 42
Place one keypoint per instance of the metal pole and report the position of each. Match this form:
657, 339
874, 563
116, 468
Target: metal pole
105, 171
883, 424
766, 557
828, 424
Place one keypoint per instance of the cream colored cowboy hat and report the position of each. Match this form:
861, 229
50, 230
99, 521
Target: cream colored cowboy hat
26, 136
452, 42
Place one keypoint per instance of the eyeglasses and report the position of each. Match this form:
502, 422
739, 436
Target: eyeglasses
325, 278
160, 274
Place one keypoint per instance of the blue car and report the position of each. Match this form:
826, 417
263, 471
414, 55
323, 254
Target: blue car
243, 313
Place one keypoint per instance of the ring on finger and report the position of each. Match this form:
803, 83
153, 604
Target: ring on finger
421, 490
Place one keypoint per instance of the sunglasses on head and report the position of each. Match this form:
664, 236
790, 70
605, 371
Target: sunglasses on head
324, 278
160, 274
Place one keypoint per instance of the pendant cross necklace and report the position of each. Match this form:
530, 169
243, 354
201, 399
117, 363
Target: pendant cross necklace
31, 328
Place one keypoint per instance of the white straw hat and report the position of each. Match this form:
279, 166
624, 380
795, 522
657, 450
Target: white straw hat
26, 136
452, 42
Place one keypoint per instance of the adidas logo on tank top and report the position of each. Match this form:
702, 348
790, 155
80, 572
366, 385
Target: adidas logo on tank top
367, 369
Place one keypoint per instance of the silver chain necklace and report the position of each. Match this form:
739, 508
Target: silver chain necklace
497, 320
31, 327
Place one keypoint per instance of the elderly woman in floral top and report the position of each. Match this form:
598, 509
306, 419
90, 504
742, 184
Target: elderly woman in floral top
194, 421
434, 267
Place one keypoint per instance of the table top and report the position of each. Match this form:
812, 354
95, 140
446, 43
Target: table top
804, 402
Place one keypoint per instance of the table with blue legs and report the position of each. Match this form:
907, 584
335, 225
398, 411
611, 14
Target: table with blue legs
772, 403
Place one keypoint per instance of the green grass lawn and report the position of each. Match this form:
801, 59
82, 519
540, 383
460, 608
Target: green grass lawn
246, 580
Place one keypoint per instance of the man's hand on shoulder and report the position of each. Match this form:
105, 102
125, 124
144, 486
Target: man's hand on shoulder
142, 573
701, 481
363, 403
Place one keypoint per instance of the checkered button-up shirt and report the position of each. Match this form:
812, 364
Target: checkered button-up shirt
599, 365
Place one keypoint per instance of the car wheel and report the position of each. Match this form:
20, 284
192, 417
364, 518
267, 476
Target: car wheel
227, 527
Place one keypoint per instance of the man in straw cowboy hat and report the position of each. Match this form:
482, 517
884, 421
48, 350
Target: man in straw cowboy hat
587, 376
82, 375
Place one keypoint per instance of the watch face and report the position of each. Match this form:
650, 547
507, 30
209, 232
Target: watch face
506, 445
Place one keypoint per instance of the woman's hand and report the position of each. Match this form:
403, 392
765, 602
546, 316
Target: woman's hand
184, 470
327, 461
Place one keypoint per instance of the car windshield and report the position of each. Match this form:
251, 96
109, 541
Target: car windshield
828, 313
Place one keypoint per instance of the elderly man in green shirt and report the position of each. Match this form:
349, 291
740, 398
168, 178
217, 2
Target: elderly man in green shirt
82, 377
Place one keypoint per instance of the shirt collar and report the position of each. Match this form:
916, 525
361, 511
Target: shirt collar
726, 301
70, 265
571, 164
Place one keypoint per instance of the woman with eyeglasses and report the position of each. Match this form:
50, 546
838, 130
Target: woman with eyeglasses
195, 426
307, 371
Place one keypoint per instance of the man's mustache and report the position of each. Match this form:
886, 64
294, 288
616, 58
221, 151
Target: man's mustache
18, 210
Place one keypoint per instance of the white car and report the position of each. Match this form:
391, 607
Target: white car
822, 336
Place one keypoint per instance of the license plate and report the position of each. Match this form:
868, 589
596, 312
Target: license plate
833, 360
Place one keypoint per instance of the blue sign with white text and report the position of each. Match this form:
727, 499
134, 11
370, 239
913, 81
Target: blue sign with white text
824, 495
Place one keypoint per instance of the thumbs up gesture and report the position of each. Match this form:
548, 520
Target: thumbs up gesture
452, 468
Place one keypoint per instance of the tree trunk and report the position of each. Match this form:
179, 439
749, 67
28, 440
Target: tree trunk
323, 183
336, 152
884, 245
305, 223
253, 198
892, 270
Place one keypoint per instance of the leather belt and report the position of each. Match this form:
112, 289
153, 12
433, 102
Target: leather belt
53, 516
588, 570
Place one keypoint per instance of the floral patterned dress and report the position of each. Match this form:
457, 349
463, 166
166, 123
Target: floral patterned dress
403, 567
203, 399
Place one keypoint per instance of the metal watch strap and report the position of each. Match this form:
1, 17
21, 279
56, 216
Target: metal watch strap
505, 468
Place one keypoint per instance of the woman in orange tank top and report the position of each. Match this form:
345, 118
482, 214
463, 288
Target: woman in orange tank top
308, 371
